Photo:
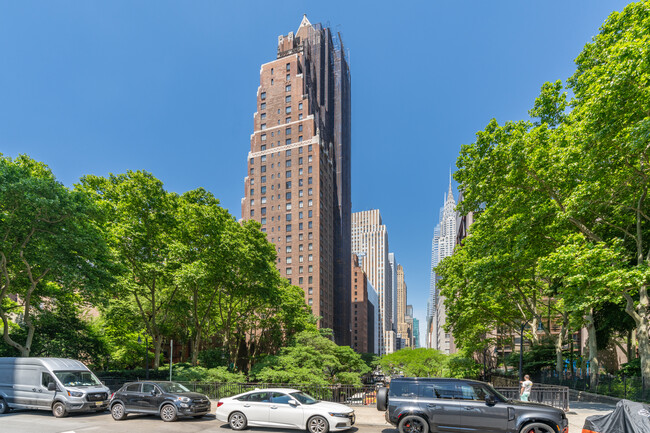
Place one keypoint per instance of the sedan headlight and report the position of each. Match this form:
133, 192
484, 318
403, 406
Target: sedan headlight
184, 399
339, 415
75, 394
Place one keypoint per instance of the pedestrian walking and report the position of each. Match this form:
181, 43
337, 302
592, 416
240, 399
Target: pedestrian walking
526, 386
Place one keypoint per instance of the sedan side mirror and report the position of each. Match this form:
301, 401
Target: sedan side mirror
51, 386
293, 402
490, 400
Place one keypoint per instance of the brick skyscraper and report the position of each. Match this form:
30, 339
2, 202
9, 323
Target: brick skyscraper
298, 183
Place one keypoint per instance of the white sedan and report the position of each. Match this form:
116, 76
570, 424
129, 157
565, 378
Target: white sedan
283, 408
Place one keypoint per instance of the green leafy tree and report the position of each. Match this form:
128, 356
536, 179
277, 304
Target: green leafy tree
50, 244
419, 362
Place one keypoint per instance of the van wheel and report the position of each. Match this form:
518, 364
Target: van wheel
4, 407
413, 424
58, 410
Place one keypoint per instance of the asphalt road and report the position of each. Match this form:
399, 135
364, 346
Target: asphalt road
27, 421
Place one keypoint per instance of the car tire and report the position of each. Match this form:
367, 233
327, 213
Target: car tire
59, 410
237, 421
317, 424
413, 424
117, 412
168, 413
382, 398
4, 407
537, 427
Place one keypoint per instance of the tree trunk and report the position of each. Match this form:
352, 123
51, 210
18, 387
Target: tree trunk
158, 341
593, 351
195, 348
559, 342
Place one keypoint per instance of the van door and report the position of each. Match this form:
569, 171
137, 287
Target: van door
26, 381
44, 398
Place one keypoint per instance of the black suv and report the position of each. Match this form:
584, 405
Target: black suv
420, 405
168, 399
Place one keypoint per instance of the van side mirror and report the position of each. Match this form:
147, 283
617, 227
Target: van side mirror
490, 400
51, 386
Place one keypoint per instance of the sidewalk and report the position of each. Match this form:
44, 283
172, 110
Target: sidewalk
369, 415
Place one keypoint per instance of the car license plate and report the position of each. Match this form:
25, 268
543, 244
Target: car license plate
98, 403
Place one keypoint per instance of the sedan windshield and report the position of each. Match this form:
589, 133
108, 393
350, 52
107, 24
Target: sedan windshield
77, 378
304, 398
171, 387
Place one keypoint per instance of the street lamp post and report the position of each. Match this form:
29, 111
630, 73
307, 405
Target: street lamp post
521, 351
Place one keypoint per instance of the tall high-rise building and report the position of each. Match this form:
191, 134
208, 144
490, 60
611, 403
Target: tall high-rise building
416, 333
298, 182
404, 328
393, 290
370, 241
444, 241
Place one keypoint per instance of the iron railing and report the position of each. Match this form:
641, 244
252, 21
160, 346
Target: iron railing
556, 396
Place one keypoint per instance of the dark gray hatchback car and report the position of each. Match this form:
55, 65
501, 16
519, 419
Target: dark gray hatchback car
420, 405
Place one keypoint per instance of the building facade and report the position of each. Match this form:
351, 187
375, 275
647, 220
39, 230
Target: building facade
298, 178
370, 241
361, 314
404, 315
444, 241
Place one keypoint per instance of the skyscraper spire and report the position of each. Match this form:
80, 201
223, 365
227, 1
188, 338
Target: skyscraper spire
450, 193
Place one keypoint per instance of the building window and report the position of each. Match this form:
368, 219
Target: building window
310, 246
263, 158
287, 217
287, 131
288, 185
300, 138
271, 81
288, 261
300, 215
300, 116
263, 221
263, 169
263, 116
252, 212
263, 179
299, 226
263, 137
300, 159
310, 148
287, 120
288, 238
288, 228
311, 280
287, 99
310, 213
287, 163
263, 147
263, 210
263, 96
299, 193
309, 191
310, 257
288, 206
288, 271
287, 88
310, 301
309, 169
263, 126
288, 196
287, 141
263, 106
263, 200
288, 66
309, 180
309, 224
252, 191
288, 77
287, 110
288, 173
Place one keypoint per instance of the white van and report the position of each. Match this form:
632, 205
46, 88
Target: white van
56, 384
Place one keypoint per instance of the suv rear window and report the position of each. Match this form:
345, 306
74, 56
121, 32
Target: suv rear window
403, 389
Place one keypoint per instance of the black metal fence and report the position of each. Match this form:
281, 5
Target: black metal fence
631, 388
347, 394
556, 396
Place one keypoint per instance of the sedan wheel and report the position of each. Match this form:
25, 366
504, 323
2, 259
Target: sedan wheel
168, 413
318, 424
237, 421
413, 424
117, 412
537, 427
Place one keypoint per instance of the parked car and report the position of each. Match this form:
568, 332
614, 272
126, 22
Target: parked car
170, 400
420, 405
284, 408
56, 384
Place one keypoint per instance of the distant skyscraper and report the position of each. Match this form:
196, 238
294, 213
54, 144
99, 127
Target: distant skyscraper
393, 290
298, 182
444, 241
416, 333
370, 241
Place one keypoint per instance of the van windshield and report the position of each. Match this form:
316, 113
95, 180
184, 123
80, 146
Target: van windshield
77, 378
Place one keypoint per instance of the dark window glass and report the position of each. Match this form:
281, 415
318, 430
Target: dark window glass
134, 387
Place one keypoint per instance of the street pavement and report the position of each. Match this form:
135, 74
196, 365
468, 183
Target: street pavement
368, 420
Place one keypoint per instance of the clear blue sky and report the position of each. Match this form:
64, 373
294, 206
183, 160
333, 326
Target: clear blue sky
170, 87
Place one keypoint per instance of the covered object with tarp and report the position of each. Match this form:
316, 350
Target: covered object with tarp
628, 417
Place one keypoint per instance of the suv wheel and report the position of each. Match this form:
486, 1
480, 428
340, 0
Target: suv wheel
4, 408
382, 398
58, 410
237, 421
168, 413
414, 424
537, 427
117, 412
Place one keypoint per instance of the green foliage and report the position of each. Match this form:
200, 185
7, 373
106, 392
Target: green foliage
423, 362
312, 358
631, 368
188, 373
537, 358
50, 247
211, 358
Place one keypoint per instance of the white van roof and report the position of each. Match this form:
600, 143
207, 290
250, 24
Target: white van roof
53, 364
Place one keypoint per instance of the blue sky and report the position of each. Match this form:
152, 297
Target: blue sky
170, 86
